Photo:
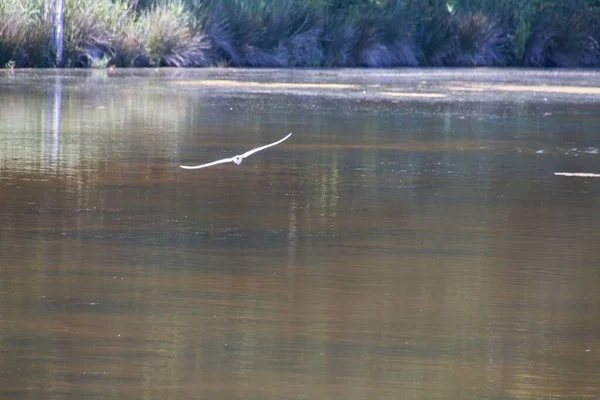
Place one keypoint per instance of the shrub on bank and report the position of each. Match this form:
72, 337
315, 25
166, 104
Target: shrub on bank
366, 41
470, 40
165, 35
22, 32
91, 28
15, 23
387, 41
564, 41
256, 33
304, 33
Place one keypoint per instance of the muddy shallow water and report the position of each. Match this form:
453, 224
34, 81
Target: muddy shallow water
409, 241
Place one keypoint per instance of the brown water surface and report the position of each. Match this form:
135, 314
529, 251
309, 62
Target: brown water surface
395, 247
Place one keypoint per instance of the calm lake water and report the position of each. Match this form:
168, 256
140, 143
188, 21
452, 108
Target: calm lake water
409, 241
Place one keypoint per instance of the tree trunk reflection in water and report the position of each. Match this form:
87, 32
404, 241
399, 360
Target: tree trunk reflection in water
393, 249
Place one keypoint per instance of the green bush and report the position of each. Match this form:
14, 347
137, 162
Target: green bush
559, 41
166, 32
91, 28
301, 33
261, 33
21, 27
471, 39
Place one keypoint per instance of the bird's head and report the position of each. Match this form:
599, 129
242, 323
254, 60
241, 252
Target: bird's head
237, 160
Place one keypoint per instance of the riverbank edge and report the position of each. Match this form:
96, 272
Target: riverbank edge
287, 33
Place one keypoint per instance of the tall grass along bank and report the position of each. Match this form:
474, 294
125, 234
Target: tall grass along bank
302, 33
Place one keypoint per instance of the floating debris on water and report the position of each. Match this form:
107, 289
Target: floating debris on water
574, 151
578, 174
540, 151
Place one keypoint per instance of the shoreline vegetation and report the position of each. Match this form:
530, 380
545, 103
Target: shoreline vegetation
302, 33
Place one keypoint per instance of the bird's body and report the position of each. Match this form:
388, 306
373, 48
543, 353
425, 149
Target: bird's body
236, 159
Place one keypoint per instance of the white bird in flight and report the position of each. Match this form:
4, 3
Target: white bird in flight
235, 159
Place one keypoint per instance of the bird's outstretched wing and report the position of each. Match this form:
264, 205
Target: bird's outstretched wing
248, 153
207, 165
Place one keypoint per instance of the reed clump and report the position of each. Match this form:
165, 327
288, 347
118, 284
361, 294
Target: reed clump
91, 28
304, 33
22, 32
167, 37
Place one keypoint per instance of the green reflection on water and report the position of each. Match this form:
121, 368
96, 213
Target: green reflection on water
390, 250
